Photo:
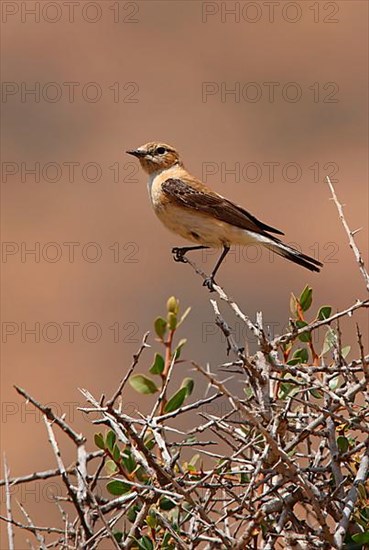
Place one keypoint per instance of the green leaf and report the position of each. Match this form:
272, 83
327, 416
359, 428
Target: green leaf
345, 351
99, 440
361, 538
293, 304
293, 362
151, 521
286, 389
316, 393
158, 365
142, 384
176, 401
324, 313
333, 383
118, 488
166, 504
248, 391
141, 475
111, 468
302, 355
110, 440
145, 543
160, 326
178, 350
172, 320
131, 513
184, 316
128, 461
166, 544
244, 478
305, 336
188, 384
306, 298
118, 535
149, 441
342, 443
329, 341
116, 453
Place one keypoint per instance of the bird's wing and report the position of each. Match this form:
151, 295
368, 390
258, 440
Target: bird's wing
207, 202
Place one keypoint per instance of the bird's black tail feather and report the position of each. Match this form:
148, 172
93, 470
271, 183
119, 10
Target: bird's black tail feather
293, 255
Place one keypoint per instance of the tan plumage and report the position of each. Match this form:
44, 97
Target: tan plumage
189, 208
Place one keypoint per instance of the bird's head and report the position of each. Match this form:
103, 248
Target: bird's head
156, 156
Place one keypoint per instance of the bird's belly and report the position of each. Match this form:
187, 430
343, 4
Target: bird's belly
202, 229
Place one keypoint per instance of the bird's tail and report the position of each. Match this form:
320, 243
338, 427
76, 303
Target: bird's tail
293, 255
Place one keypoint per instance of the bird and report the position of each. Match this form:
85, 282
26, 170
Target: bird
187, 207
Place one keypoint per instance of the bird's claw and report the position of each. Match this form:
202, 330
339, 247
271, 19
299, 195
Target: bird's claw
179, 255
209, 283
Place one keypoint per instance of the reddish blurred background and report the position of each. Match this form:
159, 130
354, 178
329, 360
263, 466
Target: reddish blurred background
164, 71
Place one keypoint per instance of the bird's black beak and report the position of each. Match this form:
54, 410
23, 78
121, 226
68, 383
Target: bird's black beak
136, 153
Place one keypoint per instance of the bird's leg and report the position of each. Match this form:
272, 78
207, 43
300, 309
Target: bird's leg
209, 281
179, 253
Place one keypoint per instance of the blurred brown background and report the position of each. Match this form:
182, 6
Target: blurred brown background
108, 76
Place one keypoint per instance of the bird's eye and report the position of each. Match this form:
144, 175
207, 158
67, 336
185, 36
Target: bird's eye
160, 150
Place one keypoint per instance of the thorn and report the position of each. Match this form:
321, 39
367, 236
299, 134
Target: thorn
355, 231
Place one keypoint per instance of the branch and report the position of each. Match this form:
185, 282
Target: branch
47, 411
222, 294
48, 473
350, 501
350, 235
8, 506
136, 359
289, 336
71, 490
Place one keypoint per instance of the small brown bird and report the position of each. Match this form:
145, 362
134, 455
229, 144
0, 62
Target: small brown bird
189, 208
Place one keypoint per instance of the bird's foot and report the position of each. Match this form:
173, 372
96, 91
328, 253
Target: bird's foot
209, 283
179, 254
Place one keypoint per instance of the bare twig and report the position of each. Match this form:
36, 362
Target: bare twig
124, 381
350, 235
48, 412
8, 506
289, 336
361, 477
71, 490
40, 538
